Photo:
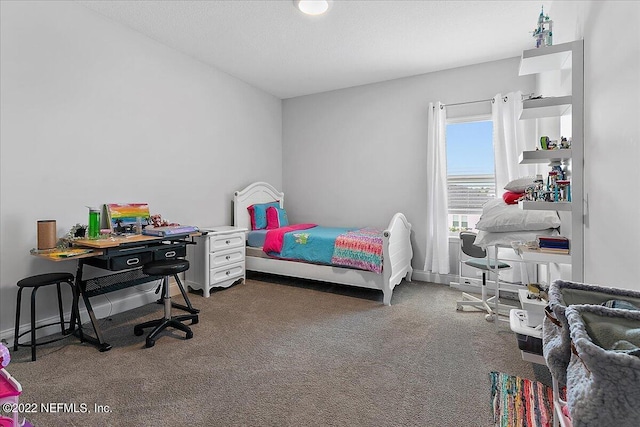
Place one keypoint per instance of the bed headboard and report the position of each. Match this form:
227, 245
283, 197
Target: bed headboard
258, 192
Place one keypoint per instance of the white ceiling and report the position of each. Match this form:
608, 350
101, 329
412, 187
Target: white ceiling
271, 45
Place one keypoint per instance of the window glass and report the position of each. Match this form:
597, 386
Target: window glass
470, 171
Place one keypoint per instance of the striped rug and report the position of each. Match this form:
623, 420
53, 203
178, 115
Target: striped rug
519, 402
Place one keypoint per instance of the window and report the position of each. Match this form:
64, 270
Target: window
470, 170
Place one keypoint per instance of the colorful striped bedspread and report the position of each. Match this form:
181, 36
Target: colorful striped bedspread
360, 249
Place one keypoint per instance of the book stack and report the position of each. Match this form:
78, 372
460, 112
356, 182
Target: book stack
553, 244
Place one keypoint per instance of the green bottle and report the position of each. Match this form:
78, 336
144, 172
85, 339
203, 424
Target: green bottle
94, 223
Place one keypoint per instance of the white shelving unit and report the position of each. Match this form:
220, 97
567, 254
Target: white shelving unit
566, 56
534, 61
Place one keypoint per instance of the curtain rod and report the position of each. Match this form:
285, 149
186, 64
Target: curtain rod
471, 102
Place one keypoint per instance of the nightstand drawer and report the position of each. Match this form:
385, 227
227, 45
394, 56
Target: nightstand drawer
226, 241
226, 257
222, 274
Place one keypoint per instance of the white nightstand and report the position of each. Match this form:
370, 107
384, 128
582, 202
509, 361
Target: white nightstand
217, 260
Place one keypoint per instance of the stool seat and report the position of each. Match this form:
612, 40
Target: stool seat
45, 279
166, 267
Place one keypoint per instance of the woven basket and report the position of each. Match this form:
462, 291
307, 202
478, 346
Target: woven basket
555, 328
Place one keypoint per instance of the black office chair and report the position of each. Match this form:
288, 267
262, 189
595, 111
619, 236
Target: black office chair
166, 268
480, 260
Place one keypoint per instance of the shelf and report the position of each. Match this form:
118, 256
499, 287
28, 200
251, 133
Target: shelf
546, 107
544, 156
564, 68
529, 205
534, 255
547, 58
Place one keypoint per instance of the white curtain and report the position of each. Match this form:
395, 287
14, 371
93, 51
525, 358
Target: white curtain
437, 257
511, 137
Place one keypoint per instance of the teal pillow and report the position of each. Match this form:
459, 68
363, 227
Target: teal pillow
259, 217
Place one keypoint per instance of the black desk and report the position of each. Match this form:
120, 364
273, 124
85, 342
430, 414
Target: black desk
124, 257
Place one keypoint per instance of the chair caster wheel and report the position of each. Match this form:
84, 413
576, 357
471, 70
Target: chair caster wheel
137, 331
150, 343
189, 335
194, 320
490, 317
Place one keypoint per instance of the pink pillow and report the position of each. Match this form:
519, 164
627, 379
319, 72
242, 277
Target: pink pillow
276, 218
511, 198
252, 215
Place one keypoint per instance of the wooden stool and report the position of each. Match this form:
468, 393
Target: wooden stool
35, 282
166, 268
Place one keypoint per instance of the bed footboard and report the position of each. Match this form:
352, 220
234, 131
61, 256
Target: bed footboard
397, 255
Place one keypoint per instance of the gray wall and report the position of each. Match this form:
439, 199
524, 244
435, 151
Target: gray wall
612, 134
354, 157
95, 113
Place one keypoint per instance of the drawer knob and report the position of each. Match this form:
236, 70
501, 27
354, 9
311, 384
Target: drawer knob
228, 257
228, 241
228, 273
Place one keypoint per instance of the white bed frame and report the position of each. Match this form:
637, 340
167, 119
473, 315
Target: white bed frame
396, 250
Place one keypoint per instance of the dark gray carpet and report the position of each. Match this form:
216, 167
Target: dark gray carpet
283, 352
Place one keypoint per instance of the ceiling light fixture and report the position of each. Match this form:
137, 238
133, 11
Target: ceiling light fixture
312, 7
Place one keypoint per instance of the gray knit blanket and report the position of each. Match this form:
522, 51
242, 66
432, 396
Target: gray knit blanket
603, 375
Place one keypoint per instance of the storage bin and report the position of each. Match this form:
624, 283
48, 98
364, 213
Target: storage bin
534, 308
529, 339
529, 344
603, 376
555, 328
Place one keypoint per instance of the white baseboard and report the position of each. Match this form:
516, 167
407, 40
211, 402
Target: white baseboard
103, 306
467, 284
427, 276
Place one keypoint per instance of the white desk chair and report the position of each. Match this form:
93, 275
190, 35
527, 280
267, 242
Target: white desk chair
479, 259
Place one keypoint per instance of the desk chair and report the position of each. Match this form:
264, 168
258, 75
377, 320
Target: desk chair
166, 268
479, 260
